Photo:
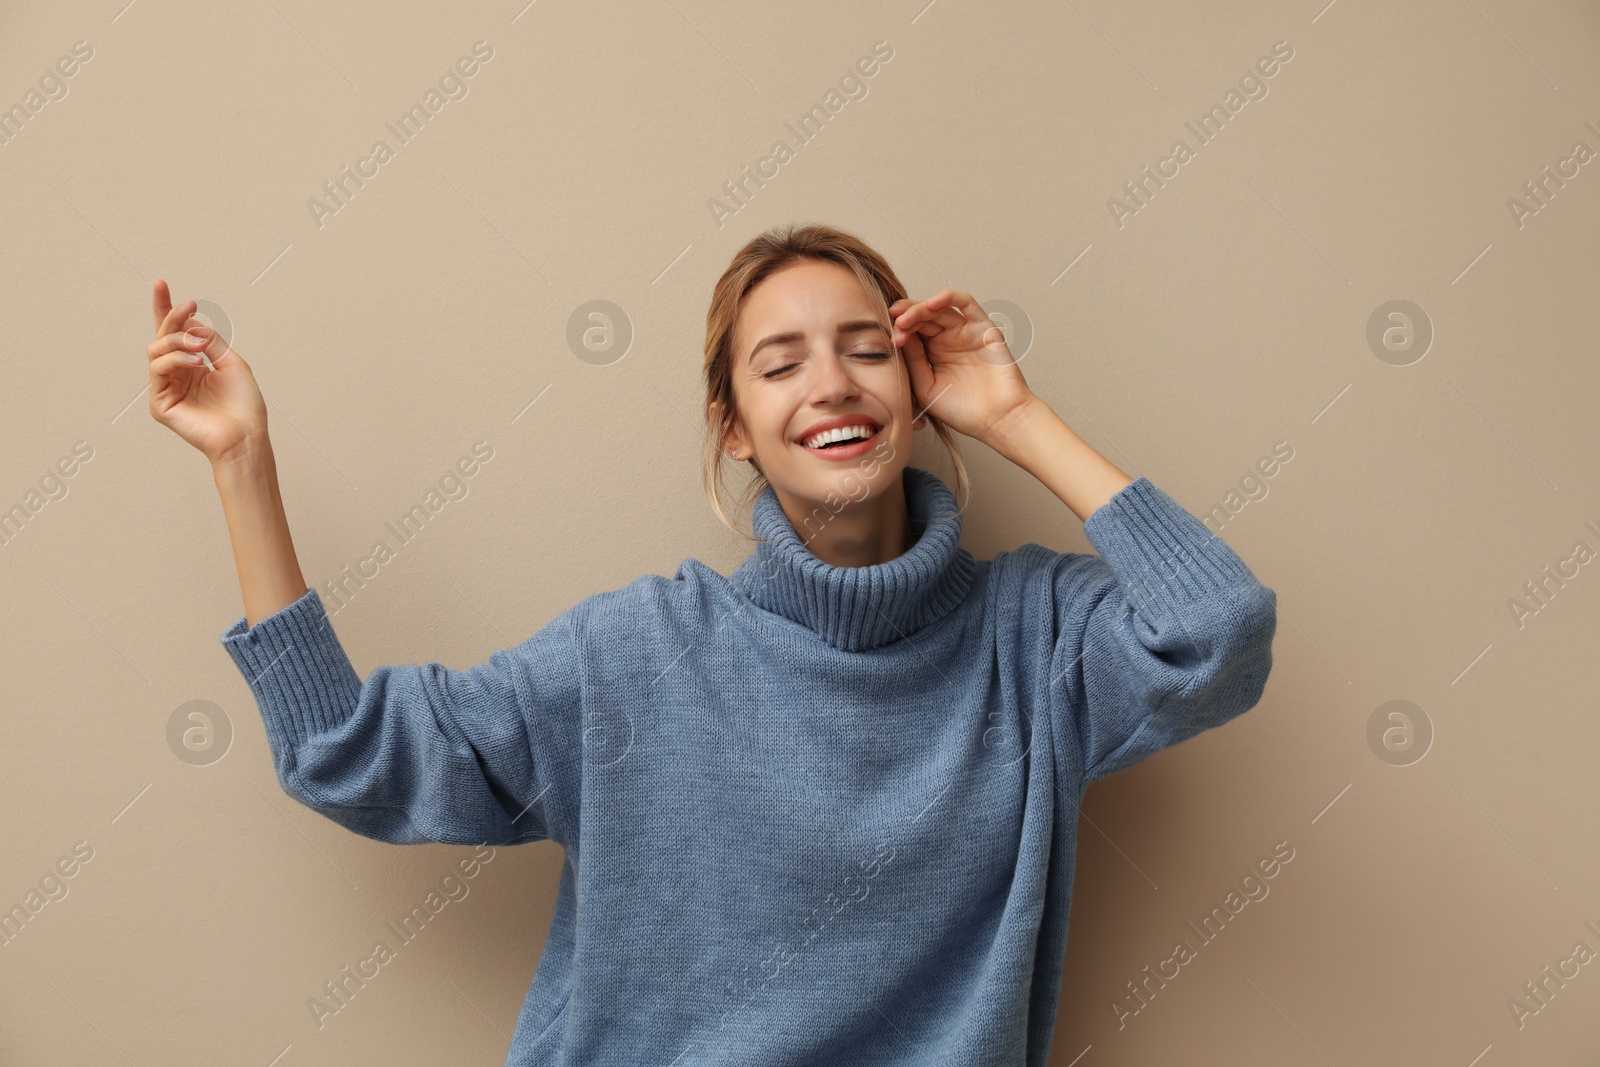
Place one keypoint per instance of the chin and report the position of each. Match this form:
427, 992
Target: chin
875, 470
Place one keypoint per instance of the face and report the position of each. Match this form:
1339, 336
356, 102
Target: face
809, 357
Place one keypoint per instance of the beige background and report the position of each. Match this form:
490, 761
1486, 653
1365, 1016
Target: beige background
1228, 314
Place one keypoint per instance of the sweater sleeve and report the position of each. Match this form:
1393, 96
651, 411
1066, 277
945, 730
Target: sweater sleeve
1162, 635
486, 755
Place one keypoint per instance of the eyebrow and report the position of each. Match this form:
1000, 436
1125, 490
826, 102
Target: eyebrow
845, 328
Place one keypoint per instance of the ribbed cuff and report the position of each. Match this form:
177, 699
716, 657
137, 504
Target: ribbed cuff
1171, 557
293, 661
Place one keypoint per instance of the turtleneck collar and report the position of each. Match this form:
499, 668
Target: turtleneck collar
860, 608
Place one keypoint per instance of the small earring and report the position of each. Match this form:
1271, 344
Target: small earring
738, 455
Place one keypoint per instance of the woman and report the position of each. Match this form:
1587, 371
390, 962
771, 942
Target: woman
823, 810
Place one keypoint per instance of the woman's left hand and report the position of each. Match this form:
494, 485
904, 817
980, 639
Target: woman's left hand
961, 368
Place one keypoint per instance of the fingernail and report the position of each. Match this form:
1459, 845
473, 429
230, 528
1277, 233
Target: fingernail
193, 339
194, 357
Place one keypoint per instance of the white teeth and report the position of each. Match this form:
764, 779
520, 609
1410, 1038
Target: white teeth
842, 433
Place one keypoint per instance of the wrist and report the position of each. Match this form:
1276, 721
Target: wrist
252, 454
1009, 434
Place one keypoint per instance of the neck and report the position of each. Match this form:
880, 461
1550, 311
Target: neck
857, 608
862, 534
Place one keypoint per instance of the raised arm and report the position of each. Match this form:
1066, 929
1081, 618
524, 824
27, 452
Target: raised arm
1166, 632
203, 391
1162, 635
491, 754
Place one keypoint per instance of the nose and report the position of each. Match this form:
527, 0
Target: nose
831, 382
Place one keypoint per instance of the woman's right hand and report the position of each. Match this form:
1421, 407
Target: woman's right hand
217, 409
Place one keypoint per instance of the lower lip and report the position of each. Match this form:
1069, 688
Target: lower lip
843, 452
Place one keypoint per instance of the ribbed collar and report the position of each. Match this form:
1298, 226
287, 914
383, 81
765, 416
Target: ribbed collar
861, 608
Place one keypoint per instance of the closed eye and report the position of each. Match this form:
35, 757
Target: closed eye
791, 366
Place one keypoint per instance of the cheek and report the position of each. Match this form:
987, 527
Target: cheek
769, 416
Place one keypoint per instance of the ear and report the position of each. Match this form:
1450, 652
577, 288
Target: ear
733, 440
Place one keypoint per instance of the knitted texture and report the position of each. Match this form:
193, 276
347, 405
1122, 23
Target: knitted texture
811, 814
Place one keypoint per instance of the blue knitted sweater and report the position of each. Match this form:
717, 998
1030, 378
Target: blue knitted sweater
810, 814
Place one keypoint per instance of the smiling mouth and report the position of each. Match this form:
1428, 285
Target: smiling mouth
841, 437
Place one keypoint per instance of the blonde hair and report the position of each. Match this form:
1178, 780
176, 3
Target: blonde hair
758, 259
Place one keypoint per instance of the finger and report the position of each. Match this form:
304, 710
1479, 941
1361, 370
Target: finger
941, 308
180, 341
167, 316
160, 301
908, 318
914, 324
963, 302
932, 310
174, 364
921, 373
175, 316
915, 355
219, 347
908, 308
894, 312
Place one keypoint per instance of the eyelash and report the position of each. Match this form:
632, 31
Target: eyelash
792, 366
